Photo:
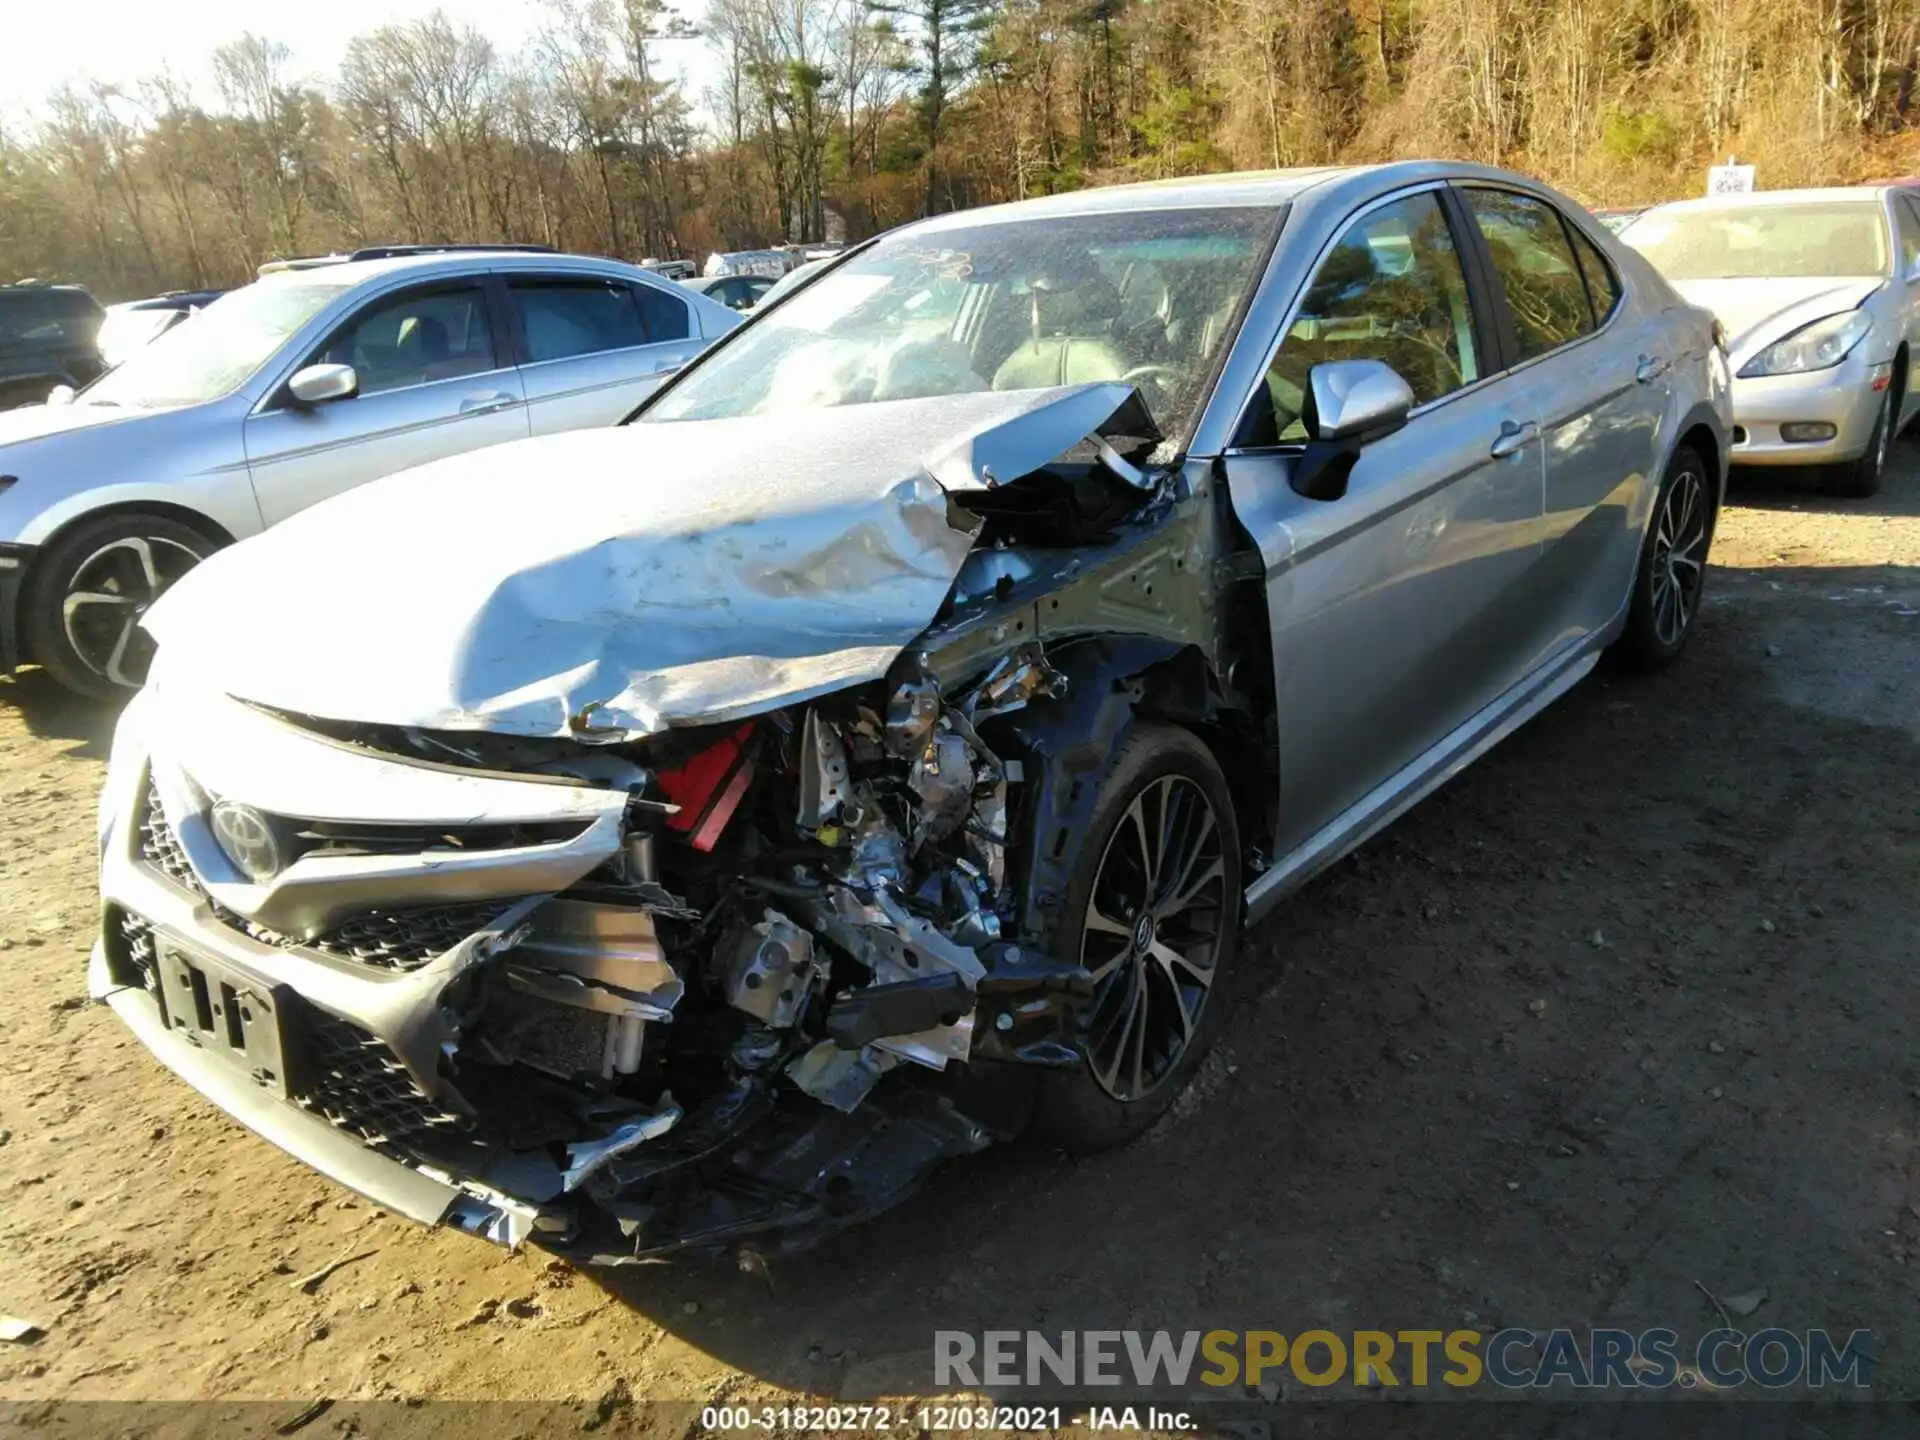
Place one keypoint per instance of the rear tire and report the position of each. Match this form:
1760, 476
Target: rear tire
1153, 908
1860, 479
90, 588
1668, 585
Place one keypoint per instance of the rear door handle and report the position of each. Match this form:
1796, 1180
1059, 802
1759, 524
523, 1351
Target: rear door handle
1650, 369
487, 404
1514, 436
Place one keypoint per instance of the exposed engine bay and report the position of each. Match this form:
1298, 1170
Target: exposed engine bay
807, 901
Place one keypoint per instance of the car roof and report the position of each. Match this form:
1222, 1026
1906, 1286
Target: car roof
448, 262
1822, 196
1252, 187
1271, 188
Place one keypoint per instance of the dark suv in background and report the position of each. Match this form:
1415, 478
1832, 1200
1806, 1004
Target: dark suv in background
49, 335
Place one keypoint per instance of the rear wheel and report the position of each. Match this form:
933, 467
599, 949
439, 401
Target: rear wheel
90, 590
1153, 910
1673, 568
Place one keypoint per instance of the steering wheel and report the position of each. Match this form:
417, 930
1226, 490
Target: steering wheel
1165, 374
1163, 380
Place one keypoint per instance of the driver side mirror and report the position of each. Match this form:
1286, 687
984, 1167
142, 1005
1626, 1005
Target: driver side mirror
1349, 405
317, 384
61, 395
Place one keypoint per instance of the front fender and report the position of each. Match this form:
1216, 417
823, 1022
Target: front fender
229, 506
1066, 745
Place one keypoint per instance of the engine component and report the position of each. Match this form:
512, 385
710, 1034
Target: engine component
1021, 676
912, 709
773, 971
824, 792
603, 959
904, 1007
942, 776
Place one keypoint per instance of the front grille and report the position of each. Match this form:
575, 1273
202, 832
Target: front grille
130, 953
385, 939
354, 1082
407, 939
160, 848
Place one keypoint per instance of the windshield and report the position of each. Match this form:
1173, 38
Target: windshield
789, 282
125, 331
1771, 242
1144, 297
209, 354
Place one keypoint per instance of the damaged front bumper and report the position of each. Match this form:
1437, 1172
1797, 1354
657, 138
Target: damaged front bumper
466, 1017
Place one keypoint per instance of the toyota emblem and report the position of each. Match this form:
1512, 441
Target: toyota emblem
249, 839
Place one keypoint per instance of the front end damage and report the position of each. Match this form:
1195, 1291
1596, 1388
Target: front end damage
719, 981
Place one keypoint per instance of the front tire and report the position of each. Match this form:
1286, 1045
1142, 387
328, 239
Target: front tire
1860, 479
1673, 567
1153, 910
91, 587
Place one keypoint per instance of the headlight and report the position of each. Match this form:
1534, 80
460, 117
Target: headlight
1819, 346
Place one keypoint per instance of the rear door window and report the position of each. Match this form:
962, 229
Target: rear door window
665, 316
563, 318
1603, 286
1535, 265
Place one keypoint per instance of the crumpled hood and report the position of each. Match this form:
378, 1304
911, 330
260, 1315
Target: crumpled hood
1757, 312
611, 583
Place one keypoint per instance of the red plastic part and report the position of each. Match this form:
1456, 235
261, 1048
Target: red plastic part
709, 788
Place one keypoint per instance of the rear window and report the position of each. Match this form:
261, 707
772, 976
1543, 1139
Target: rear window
47, 317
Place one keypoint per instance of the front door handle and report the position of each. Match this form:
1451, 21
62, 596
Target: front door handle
1650, 369
487, 404
1514, 436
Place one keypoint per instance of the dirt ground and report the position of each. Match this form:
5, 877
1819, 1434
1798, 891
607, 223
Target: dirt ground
1628, 1007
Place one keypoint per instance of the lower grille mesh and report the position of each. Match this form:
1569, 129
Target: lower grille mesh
356, 1083
407, 939
137, 953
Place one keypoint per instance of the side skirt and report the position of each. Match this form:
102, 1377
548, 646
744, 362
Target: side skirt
1387, 802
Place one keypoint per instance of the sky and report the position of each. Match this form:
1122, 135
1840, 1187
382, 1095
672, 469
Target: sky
42, 44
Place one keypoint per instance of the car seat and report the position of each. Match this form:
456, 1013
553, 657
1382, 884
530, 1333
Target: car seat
1071, 340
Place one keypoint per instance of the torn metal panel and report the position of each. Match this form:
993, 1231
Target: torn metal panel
656, 575
994, 455
838, 1077
599, 957
587, 1158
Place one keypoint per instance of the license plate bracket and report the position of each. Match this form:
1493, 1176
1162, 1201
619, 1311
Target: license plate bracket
214, 1006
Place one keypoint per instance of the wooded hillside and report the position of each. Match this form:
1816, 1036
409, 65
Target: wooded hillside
865, 113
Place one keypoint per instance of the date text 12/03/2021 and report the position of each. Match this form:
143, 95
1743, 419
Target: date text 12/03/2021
936, 1417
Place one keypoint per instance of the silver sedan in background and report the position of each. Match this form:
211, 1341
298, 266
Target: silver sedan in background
1819, 291
312, 380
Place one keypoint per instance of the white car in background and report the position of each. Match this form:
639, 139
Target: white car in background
1819, 293
320, 376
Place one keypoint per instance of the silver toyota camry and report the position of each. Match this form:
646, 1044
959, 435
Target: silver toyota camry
1819, 291
308, 382
878, 746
